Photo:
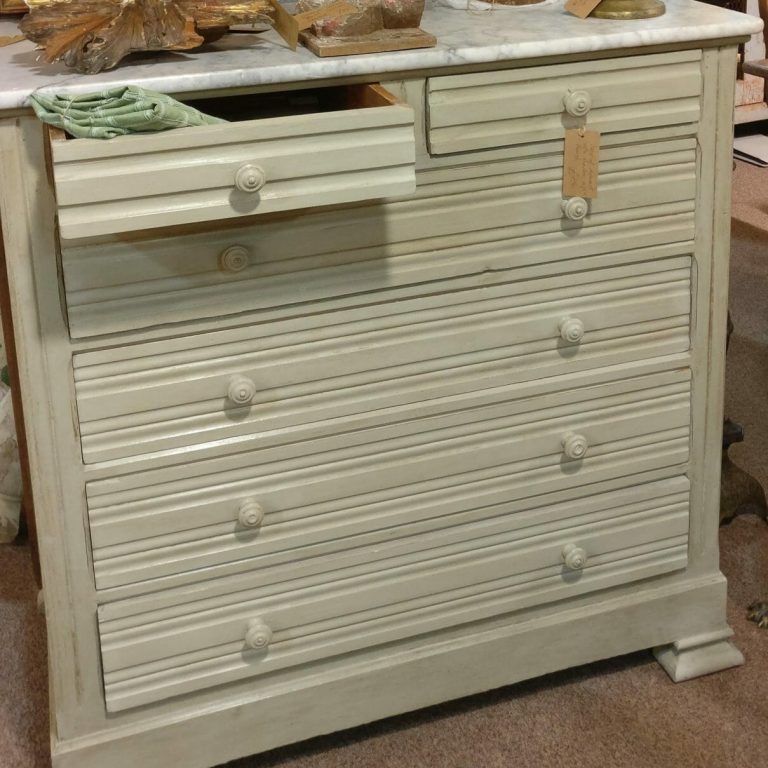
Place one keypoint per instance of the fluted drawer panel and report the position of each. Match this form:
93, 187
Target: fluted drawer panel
464, 573
165, 395
363, 151
518, 106
467, 221
506, 444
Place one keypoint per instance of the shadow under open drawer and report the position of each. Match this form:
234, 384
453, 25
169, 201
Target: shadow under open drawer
496, 216
281, 152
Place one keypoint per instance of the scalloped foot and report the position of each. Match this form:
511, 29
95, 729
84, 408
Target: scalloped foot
699, 655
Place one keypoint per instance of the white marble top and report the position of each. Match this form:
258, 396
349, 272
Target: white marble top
464, 37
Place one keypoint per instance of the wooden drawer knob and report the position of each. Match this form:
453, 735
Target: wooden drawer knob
250, 178
241, 390
571, 330
234, 259
574, 445
574, 208
250, 514
258, 635
574, 557
577, 103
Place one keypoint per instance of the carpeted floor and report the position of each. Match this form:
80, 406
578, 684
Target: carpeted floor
623, 713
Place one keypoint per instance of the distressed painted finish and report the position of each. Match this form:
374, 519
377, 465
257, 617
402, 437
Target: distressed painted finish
163, 396
512, 107
329, 488
304, 455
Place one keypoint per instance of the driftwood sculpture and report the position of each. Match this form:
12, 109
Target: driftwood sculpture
92, 35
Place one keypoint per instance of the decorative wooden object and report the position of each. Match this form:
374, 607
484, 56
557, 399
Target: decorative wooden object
375, 26
383, 40
91, 35
13, 6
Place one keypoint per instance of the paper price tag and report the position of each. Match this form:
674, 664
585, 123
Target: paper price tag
580, 163
581, 8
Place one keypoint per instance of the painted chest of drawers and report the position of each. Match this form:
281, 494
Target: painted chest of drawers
340, 409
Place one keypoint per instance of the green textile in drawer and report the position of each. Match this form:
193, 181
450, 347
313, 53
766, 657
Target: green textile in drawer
116, 112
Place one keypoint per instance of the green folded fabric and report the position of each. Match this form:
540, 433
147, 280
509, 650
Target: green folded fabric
116, 112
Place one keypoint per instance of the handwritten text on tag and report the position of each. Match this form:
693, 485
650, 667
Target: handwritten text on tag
580, 163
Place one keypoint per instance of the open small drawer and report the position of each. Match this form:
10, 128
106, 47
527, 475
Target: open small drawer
281, 152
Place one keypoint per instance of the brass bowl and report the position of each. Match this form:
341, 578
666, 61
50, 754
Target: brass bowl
629, 9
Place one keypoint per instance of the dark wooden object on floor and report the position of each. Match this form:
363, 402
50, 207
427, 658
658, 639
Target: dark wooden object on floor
740, 493
27, 505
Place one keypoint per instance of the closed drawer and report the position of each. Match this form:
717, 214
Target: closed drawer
337, 370
318, 499
348, 144
522, 106
482, 218
185, 642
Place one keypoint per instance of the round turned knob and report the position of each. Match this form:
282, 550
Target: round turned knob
250, 178
250, 514
574, 446
574, 557
241, 390
574, 208
258, 635
234, 259
577, 103
571, 330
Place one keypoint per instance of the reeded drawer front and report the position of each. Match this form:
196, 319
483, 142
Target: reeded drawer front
318, 493
466, 221
337, 371
468, 572
362, 149
520, 106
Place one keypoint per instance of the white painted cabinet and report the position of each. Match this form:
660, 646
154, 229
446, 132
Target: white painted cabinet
351, 400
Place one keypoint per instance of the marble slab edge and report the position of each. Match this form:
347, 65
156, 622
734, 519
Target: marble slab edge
476, 42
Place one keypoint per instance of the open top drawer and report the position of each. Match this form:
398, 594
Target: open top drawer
281, 152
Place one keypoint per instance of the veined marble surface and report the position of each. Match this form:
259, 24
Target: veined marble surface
464, 37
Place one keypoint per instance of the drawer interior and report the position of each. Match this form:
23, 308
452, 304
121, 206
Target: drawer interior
303, 101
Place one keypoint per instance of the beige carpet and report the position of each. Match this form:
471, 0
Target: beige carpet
623, 713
